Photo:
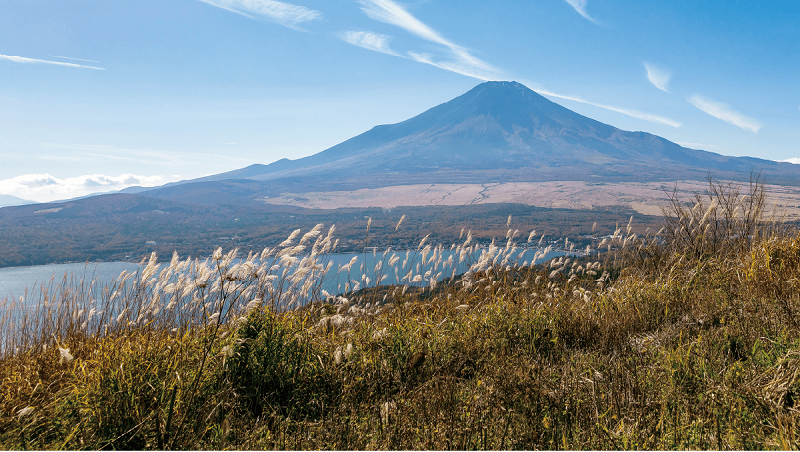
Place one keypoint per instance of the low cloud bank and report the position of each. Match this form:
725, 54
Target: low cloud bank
45, 188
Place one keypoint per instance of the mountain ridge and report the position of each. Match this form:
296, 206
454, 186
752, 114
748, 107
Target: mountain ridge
502, 129
9, 200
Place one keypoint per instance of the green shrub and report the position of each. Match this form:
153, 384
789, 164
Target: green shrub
274, 367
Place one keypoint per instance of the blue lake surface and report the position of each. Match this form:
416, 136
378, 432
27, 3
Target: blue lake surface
16, 282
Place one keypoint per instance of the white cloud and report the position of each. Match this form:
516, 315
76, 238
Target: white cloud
45, 188
701, 146
19, 59
453, 66
725, 113
391, 13
794, 160
625, 111
462, 61
99, 152
76, 59
280, 12
658, 77
580, 7
369, 40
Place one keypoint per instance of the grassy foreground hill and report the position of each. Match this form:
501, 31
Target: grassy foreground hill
683, 339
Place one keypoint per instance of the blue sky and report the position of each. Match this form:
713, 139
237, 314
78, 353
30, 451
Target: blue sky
99, 95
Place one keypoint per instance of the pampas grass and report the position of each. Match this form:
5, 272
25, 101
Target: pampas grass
685, 338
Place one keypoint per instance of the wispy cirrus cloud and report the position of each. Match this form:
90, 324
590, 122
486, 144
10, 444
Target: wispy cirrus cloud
725, 113
24, 60
76, 59
161, 158
460, 59
282, 13
658, 77
369, 40
457, 66
391, 13
625, 111
692, 145
44, 187
580, 7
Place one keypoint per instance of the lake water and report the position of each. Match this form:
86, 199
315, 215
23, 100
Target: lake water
15, 281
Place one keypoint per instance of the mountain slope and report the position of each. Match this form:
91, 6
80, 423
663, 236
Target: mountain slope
8, 200
503, 131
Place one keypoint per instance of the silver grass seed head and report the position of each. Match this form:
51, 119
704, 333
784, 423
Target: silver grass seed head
122, 315
290, 239
64, 356
150, 269
314, 232
422, 242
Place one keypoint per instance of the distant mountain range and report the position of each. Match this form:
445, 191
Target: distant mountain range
8, 200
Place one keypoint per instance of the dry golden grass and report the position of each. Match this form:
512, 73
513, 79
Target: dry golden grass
685, 339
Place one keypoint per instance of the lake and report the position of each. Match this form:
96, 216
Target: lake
15, 282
